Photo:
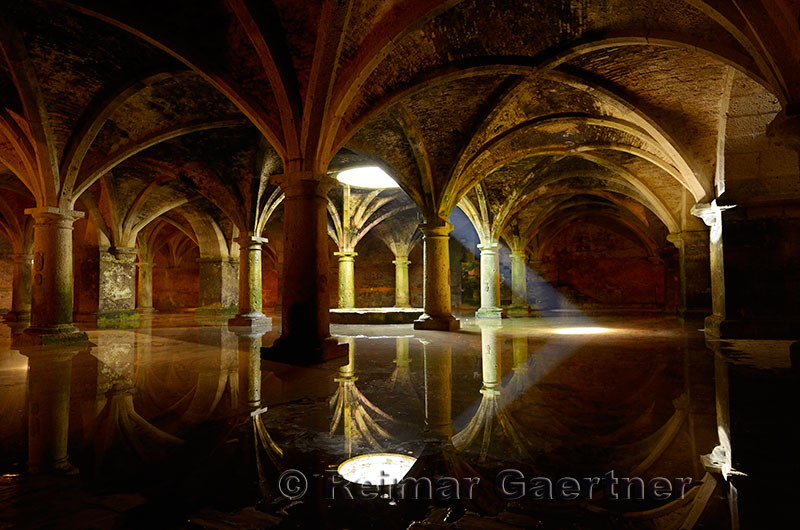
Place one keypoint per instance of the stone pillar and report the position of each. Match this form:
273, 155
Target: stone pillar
218, 285
436, 294
51, 287
305, 321
401, 296
21, 289
711, 214
144, 293
347, 288
490, 358
694, 272
249, 313
250, 364
519, 285
490, 282
49, 388
116, 299
438, 370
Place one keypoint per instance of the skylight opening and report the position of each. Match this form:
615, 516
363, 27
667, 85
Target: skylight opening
371, 177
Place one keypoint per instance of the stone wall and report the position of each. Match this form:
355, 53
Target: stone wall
176, 287
591, 266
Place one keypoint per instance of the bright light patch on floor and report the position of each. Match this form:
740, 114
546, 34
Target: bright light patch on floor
376, 469
367, 177
580, 331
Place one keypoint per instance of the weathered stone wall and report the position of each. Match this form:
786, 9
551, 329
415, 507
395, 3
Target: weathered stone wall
6, 274
591, 266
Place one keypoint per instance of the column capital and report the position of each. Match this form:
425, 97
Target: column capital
346, 254
489, 247
250, 241
50, 215
124, 253
519, 254
710, 213
304, 184
401, 260
436, 228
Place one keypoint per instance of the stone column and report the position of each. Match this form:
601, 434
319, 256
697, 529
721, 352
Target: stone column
144, 294
51, 287
490, 358
347, 288
249, 313
401, 296
711, 214
250, 364
438, 370
21, 289
116, 299
694, 272
490, 282
305, 321
436, 295
519, 285
218, 285
49, 388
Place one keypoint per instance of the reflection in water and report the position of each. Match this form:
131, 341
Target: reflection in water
492, 428
191, 418
354, 411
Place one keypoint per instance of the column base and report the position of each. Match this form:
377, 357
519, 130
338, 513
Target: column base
251, 321
517, 312
146, 310
753, 328
17, 316
428, 322
55, 336
489, 312
62, 467
302, 353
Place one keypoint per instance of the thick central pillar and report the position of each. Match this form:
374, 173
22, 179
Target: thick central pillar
490, 282
438, 314
305, 321
219, 277
401, 297
144, 293
519, 285
116, 299
249, 314
347, 288
51, 287
48, 409
694, 270
20, 288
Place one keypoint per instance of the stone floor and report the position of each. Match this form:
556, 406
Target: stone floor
179, 424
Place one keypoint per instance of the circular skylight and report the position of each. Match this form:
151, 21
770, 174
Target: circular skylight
367, 177
377, 469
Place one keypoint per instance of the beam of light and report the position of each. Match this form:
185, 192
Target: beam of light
367, 177
377, 469
580, 331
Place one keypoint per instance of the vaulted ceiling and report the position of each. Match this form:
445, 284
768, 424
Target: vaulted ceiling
614, 105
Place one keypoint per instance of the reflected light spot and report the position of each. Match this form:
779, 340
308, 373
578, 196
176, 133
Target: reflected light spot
580, 331
367, 177
377, 468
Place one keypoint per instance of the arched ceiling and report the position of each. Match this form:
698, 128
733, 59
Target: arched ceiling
528, 101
